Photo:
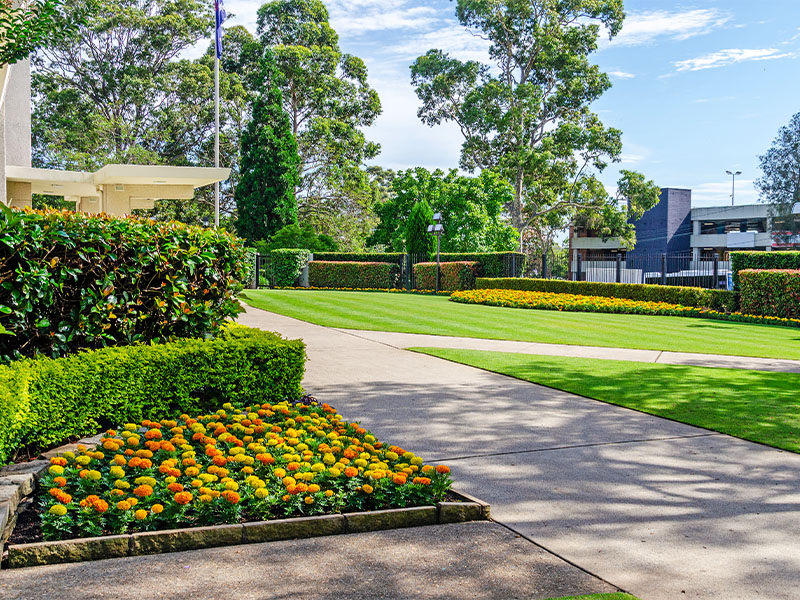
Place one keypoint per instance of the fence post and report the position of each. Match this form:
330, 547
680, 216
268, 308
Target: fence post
258, 272
544, 265
663, 269
715, 284
619, 267
579, 267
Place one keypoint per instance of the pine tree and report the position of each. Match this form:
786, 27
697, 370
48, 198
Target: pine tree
418, 240
270, 165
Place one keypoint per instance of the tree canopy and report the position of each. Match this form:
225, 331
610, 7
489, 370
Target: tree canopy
779, 185
27, 25
417, 238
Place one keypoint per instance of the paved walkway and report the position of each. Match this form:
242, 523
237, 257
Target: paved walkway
416, 340
660, 509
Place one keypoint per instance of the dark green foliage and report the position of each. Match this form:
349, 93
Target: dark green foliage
28, 25
72, 281
295, 236
390, 257
46, 401
773, 292
762, 260
270, 165
381, 275
720, 300
285, 265
490, 264
454, 275
418, 240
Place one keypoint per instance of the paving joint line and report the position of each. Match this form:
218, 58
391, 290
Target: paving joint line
549, 449
659, 356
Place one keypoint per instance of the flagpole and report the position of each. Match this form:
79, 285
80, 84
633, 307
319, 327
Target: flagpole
216, 137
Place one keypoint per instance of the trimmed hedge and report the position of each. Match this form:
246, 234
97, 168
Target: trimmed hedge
387, 257
455, 275
773, 292
719, 300
330, 274
490, 264
72, 281
46, 401
286, 265
762, 260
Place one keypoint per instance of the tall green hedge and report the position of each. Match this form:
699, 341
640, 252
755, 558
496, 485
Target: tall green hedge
335, 274
71, 281
490, 264
45, 401
773, 292
454, 275
286, 265
762, 260
720, 300
388, 257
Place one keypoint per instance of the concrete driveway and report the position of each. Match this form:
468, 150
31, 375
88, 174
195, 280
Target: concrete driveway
658, 508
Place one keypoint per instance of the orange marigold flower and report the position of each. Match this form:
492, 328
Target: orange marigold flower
441, 469
157, 509
135, 462
143, 491
175, 488
231, 496
60, 481
100, 506
293, 466
122, 505
220, 461
351, 471
140, 515
58, 460
183, 498
399, 479
286, 498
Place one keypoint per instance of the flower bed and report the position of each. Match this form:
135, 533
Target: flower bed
264, 462
576, 303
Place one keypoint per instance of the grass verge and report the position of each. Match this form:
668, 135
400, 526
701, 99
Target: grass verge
409, 313
758, 406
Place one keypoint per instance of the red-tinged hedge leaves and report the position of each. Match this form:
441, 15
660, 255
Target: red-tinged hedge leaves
329, 274
72, 281
454, 275
773, 292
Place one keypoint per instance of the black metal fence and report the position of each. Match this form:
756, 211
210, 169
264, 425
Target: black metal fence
683, 268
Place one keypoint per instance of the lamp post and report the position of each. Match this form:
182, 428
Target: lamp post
733, 182
437, 229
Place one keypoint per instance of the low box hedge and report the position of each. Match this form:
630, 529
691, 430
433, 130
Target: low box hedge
454, 275
762, 260
334, 274
72, 281
772, 292
45, 401
719, 300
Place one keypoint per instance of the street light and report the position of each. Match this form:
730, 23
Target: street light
437, 229
733, 183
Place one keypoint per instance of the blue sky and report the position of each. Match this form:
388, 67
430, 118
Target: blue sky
699, 87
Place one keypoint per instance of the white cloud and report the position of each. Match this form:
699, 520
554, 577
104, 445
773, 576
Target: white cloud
621, 74
719, 193
647, 27
730, 56
357, 17
452, 39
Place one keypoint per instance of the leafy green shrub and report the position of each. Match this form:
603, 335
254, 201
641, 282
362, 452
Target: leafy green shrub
388, 257
455, 275
720, 300
762, 260
295, 236
286, 265
773, 292
71, 281
45, 401
327, 274
490, 264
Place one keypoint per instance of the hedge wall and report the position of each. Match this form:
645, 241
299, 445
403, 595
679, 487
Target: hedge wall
71, 281
45, 401
285, 266
386, 257
762, 260
490, 264
383, 275
454, 275
720, 300
773, 292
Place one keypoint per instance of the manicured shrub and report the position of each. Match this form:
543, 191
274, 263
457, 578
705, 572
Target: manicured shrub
490, 264
286, 264
762, 260
71, 281
45, 401
721, 300
454, 275
774, 292
389, 257
330, 274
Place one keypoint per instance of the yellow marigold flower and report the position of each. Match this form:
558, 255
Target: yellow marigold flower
192, 471
408, 455
121, 484
427, 469
140, 515
261, 493
132, 501
308, 500
70, 456
120, 460
170, 479
287, 481
83, 460
117, 472
157, 509
329, 493
335, 472
416, 461
206, 498
56, 470
329, 459
232, 485
58, 509
313, 488
392, 455
366, 488
123, 505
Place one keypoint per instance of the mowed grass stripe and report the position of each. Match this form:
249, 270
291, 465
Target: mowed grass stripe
410, 313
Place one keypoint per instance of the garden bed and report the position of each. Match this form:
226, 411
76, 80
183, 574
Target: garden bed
267, 472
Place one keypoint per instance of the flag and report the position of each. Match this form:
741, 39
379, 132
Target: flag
220, 15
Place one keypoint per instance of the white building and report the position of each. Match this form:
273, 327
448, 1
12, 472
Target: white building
114, 189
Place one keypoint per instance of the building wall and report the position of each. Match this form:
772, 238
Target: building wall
15, 131
666, 228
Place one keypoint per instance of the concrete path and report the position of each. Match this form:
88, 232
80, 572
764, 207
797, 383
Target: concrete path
660, 509
482, 561
415, 340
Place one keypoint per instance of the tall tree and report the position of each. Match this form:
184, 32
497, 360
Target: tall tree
269, 164
418, 240
29, 24
471, 207
329, 102
527, 114
779, 186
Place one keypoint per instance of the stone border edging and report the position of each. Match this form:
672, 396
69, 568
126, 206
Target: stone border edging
17, 481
